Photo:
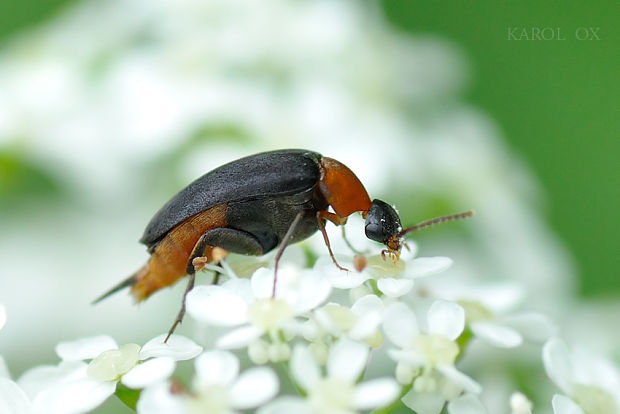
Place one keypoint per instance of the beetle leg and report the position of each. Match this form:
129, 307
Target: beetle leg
181, 314
197, 251
319, 220
285, 241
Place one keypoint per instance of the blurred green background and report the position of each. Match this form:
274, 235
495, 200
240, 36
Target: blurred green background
557, 102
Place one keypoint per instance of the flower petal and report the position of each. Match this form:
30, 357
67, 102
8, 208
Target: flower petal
426, 266
216, 305
286, 405
408, 357
85, 348
77, 396
179, 348
366, 325
466, 404
149, 372
346, 360
13, 399
533, 326
347, 280
458, 378
366, 304
215, 368
424, 402
564, 405
239, 338
557, 364
304, 369
39, 378
254, 387
375, 393
497, 335
446, 319
158, 399
394, 288
312, 291
400, 325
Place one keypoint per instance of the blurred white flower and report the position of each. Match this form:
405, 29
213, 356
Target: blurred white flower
217, 387
466, 404
361, 322
393, 278
76, 387
13, 399
591, 383
426, 358
337, 391
490, 313
520, 404
247, 306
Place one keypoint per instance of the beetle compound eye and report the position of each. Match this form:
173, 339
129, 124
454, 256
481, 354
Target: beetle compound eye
382, 222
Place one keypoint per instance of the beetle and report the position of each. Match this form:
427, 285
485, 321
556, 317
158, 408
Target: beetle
253, 205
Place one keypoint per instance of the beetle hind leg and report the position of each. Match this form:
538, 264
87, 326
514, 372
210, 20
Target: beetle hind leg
228, 239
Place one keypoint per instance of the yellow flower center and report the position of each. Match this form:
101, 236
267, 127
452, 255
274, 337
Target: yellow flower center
384, 268
475, 311
436, 349
594, 400
269, 313
331, 395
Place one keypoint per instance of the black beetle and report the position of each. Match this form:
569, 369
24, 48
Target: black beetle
253, 205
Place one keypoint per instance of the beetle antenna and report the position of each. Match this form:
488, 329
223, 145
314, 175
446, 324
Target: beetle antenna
434, 221
130, 281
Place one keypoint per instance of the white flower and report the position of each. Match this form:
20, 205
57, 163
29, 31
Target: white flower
361, 322
393, 278
592, 383
427, 357
466, 404
520, 404
248, 308
13, 399
489, 313
337, 391
76, 387
217, 388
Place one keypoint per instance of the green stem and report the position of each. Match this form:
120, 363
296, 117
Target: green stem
284, 366
375, 289
128, 396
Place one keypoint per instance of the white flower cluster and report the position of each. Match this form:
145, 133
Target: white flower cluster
328, 342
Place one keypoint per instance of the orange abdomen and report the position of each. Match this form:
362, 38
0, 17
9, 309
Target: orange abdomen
168, 261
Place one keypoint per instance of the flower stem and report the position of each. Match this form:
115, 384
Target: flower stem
287, 373
128, 396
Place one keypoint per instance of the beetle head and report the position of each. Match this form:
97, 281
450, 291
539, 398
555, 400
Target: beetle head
383, 225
